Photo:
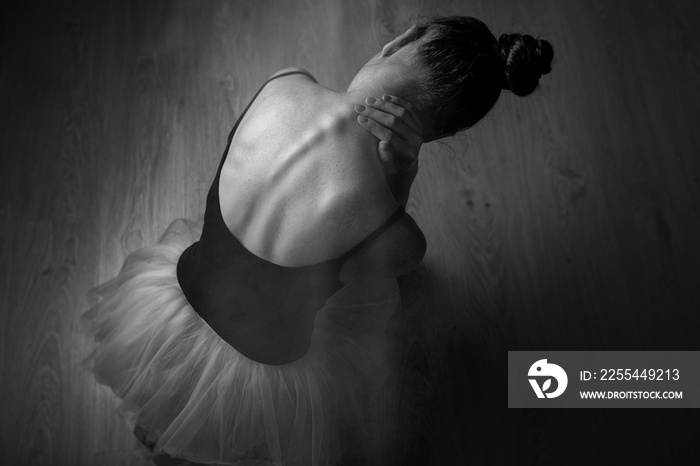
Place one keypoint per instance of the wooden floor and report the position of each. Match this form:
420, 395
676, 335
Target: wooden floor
568, 220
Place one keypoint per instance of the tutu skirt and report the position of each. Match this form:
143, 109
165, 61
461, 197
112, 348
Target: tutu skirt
199, 399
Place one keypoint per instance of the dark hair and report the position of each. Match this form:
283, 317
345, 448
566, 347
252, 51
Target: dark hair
467, 67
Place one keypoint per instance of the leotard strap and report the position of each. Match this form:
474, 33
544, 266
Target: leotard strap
372, 236
238, 121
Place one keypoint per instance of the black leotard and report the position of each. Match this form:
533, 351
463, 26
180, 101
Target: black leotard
220, 277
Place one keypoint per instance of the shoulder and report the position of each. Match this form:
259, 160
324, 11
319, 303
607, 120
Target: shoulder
294, 72
395, 252
288, 83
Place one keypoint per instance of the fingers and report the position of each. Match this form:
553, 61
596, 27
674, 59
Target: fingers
398, 144
387, 120
391, 147
402, 120
393, 121
399, 104
376, 129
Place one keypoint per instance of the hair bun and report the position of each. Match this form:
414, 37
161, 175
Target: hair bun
525, 60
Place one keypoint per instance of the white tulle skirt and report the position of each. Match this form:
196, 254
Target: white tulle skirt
199, 399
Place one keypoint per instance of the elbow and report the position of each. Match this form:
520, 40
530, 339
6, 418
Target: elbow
413, 254
421, 248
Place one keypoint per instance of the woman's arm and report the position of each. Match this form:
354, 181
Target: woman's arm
395, 252
392, 120
401, 186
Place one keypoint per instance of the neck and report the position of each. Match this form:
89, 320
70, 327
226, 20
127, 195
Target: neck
358, 91
376, 86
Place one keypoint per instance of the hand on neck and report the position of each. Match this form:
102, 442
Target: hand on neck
379, 84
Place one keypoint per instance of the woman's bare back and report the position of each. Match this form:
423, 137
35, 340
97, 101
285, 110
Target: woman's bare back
301, 183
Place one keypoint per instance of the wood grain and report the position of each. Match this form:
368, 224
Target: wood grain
565, 220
